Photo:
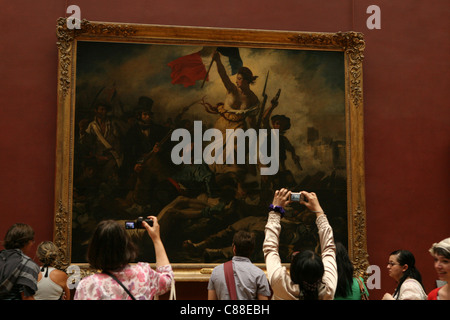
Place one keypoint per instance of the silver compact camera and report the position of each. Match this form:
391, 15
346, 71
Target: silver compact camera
297, 197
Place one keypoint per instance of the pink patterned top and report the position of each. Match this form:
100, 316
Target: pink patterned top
141, 280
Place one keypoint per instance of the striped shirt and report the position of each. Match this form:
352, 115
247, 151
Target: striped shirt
18, 273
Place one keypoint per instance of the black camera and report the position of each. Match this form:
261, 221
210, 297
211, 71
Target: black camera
138, 223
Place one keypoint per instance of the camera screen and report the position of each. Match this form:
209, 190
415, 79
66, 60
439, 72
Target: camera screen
129, 225
295, 196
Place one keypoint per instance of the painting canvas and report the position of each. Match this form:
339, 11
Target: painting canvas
148, 128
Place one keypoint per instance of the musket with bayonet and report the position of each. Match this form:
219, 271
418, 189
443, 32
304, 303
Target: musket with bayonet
267, 113
263, 104
275, 99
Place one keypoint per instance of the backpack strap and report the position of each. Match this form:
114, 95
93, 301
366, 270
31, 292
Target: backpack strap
229, 279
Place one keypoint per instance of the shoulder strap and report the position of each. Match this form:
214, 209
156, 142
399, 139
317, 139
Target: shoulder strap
229, 279
362, 289
121, 284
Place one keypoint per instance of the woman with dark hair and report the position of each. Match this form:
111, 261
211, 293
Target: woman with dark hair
307, 271
441, 254
238, 110
112, 251
19, 274
402, 269
312, 277
241, 105
239, 95
348, 286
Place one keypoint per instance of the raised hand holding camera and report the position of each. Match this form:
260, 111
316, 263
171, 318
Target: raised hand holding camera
283, 197
311, 202
138, 224
152, 228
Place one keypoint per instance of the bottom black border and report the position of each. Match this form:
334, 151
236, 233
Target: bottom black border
186, 309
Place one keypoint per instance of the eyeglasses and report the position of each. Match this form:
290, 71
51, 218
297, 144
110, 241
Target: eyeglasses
393, 264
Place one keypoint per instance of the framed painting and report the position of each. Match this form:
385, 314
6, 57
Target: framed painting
198, 127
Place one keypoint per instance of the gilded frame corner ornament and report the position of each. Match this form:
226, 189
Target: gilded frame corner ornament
350, 43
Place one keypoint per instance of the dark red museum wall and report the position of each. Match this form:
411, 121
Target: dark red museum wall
406, 107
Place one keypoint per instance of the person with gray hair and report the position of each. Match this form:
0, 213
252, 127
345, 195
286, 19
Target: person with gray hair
441, 254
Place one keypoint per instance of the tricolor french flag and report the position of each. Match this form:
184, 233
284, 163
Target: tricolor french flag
188, 69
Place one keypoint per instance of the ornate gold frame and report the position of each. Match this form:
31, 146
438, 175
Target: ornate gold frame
351, 43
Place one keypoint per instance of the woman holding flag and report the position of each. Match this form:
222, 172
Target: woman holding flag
240, 103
